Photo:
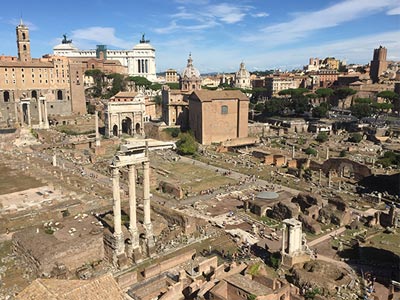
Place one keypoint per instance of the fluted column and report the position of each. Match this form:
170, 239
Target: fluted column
119, 239
146, 204
132, 207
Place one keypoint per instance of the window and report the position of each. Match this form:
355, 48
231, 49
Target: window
224, 109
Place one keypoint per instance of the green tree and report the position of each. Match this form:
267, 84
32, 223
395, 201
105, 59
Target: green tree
275, 106
98, 78
324, 93
300, 104
322, 137
274, 260
355, 137
320, 111
157, 99
186, 145
118, 84
140, 81
389, 96
361, 107
259, 106
343, 93
155, 87
381, 107
310, 151
173, 85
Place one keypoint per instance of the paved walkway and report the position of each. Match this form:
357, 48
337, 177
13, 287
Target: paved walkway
326, 236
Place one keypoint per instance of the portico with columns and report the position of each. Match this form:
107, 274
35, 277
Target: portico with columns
131, 158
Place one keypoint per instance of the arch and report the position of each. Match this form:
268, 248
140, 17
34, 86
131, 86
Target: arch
59, 95
34, 94
23, 36
6, 96
115, 130
24, 47
127, 126
138, 128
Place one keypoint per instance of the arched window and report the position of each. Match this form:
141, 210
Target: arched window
34, 94
6, 96
224, 109
23, 36
24, 47
59, 95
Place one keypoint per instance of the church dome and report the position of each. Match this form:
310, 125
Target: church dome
242, 73
190, 71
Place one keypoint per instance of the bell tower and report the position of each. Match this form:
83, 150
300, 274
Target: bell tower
23, 42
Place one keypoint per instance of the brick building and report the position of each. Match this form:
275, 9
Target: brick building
58, 79
216, 116
378, 63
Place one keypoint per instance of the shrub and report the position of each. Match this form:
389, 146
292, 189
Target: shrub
310, 151
322, 137
186, 145
355, 138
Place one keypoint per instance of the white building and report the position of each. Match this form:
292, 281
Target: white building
140, 61
242, 78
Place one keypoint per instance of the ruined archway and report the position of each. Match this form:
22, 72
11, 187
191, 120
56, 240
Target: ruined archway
115, 130
127, 126
34, 94
138, 128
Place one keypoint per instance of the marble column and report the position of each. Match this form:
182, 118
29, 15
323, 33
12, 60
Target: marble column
39, 106
29, 114
327, 153
146, 204
293, 152
132, 207
46, 118
96, 122
119, 239
284, 238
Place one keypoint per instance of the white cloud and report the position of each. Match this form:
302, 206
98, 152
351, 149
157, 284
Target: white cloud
200, 17
260, 15
304, 24
99, 35
394, 11
228, 13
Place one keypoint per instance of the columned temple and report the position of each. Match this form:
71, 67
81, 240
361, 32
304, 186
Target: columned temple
131, 157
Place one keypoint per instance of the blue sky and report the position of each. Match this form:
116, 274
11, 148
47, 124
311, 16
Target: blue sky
265, 34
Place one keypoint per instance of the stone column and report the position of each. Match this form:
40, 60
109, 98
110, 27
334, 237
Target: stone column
46, 118
329, 178
327, 153
39, 106
96, 122
132, 207
293, 152
146, 204
54, 160
29, 114
284, 238
119, 239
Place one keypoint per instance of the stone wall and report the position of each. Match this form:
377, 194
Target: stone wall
159, 268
